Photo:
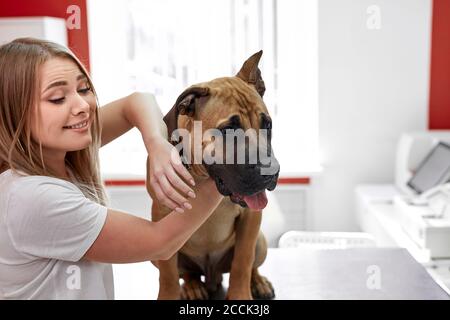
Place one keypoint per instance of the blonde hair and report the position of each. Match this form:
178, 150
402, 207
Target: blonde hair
19, 93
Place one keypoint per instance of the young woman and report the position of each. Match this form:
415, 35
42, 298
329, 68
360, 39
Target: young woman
54, 215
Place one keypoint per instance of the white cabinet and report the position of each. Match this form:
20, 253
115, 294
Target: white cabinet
47, 28
377, 215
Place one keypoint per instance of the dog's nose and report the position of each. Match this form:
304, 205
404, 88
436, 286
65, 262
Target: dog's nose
273, 183
271, 168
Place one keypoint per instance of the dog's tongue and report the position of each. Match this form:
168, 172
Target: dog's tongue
257, 201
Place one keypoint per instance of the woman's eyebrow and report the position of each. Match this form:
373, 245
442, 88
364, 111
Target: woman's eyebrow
56, 84
64, 83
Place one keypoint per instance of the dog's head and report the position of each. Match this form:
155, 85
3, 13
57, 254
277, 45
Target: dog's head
227, 120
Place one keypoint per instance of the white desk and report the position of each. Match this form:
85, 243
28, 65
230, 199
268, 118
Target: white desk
314, 274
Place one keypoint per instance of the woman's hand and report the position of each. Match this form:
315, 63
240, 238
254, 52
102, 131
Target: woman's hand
141, 110
166, 173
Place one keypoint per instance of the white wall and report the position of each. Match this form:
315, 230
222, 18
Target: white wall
373, 85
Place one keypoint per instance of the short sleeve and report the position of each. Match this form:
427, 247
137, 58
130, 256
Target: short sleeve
52, 218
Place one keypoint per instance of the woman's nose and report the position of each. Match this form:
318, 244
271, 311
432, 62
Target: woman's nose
79, 104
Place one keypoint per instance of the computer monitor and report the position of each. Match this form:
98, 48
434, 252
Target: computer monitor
434, 169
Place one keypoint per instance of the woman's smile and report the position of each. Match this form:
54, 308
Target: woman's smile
79, 127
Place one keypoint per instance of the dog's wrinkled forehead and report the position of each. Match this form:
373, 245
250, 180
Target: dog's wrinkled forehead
233, 98
211, 101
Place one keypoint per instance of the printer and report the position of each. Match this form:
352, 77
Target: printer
422, 173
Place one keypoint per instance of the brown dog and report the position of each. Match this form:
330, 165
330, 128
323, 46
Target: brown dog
230, 240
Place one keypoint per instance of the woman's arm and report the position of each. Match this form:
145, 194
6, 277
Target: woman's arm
141, 110
125, 238
138, 110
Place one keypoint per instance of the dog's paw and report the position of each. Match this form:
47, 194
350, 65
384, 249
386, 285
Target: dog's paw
238, 296
169, 293
261, 288
194, 289
168, 296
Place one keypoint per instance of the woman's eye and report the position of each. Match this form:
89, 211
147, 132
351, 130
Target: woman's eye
84, 90
57, 101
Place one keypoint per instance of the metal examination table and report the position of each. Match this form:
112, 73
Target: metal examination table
298, 274
369, 273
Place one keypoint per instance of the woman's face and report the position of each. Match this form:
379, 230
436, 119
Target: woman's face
66, 99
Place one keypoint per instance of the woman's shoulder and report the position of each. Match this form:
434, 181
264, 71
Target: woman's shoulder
27, 185
21, 194
43, 195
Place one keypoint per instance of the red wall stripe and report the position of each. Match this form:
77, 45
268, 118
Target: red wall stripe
128, 183
439, 107
78, 40
121, 183
294, 180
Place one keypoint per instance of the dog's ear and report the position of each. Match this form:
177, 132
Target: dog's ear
187, 101
186, 104
251, 74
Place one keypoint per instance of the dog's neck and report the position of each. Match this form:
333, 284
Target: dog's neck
198, 172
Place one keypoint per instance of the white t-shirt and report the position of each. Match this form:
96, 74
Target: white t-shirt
46, 227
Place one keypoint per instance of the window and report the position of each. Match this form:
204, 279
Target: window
163, 46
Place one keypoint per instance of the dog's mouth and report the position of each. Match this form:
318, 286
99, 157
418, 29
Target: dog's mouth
255, 201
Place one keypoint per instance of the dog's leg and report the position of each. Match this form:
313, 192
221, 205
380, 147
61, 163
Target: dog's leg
169, 278
247, 230
261, 287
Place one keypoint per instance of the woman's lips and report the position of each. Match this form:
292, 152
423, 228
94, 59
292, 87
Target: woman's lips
80, 129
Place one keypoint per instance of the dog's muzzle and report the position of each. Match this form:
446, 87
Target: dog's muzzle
244, 184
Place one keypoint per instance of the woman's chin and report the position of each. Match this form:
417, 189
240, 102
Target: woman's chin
80, 146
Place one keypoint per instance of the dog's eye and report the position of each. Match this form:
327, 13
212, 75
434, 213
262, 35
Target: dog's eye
228, 127
266, 123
